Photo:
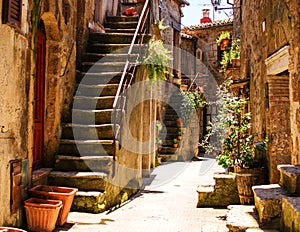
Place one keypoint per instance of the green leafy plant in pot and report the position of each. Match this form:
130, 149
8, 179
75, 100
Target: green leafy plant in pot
235, 144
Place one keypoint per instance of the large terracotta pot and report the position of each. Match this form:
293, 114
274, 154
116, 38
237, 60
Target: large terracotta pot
245, 179
64, 194
42, 214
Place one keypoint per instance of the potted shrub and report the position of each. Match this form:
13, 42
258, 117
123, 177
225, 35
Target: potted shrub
159, 144
223, 40
179, 135
231, 56
230, 134
175, 143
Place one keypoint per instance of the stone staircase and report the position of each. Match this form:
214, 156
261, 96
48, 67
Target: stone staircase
84, 158
277, 206
168, 152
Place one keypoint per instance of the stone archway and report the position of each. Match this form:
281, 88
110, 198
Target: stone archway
52, 86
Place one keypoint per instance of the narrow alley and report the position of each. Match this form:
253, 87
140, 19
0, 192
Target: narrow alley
160, 207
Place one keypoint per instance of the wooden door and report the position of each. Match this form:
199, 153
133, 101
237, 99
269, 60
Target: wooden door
39, 101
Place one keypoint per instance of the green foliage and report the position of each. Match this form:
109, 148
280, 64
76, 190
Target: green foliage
191, 100
175, 141
229, 132
231, 52
223, 35
157, 60
161, 26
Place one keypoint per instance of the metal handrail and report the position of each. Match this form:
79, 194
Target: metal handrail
193, 81
129, 67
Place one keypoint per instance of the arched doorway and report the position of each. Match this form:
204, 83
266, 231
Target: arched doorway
39, 97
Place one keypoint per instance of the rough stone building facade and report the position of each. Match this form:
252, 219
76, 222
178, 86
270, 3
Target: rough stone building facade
41, 48
270, 59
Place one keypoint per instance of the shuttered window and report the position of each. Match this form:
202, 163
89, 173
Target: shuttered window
12, 12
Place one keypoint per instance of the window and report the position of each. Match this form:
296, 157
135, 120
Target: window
12, 12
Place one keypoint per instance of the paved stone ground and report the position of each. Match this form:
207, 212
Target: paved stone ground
167, 203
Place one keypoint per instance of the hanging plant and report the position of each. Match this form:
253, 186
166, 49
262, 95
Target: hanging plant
157, 60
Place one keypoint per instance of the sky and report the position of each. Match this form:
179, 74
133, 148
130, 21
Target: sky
193, 12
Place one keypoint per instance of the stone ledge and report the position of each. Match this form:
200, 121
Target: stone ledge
40, 176
268, 200
222, 194
290, 214
290, 178
242, 217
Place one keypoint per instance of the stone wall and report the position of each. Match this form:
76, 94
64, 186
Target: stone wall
268, 26
14, 109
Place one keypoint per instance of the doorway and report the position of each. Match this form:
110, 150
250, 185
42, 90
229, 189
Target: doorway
39, 97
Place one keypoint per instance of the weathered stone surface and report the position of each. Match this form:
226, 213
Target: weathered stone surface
260, 230
290, 178
241, 217
222, 194
92, 202
290, 214
268, 200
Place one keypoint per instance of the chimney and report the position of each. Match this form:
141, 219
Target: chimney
206, 18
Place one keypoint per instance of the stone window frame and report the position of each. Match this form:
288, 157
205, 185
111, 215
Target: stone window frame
12, 12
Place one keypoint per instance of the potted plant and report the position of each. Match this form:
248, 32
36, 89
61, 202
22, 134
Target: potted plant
223, 40
159, 144
179, 135
175, 143
230, 134
231, 56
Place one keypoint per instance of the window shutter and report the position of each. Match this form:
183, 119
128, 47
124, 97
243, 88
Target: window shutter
12, 12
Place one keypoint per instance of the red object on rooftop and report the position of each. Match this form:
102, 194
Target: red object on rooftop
205, 18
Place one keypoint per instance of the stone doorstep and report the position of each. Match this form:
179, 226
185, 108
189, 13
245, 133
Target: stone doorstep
91, 201
268, 201
290, 178
290, 214
241, 217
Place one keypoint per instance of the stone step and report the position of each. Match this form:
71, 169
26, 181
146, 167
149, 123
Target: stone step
97, 90
241, 217
83, 163
94, 78
168, 150
107, 48
268, 201
290, 214
221, 194
290, 178
86, 147
84, 181
89, 202
112, 30
111, 57
116, 38
167, 157
121, 18
92, 103
260, 230
101, 67
90, 117
88, 132
121, 25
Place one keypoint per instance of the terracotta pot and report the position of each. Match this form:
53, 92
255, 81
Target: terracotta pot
179, 122
236, 63
224, 44
245, 179
64, 194
10, 229
42, 214
175, 145
179, 137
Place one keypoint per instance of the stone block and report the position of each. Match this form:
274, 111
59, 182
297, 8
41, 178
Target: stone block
268, 204
241, 217
222, 194
290, 221
290, 178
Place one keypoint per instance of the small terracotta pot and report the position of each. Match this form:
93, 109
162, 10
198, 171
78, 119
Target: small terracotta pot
175, 145
179, 137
